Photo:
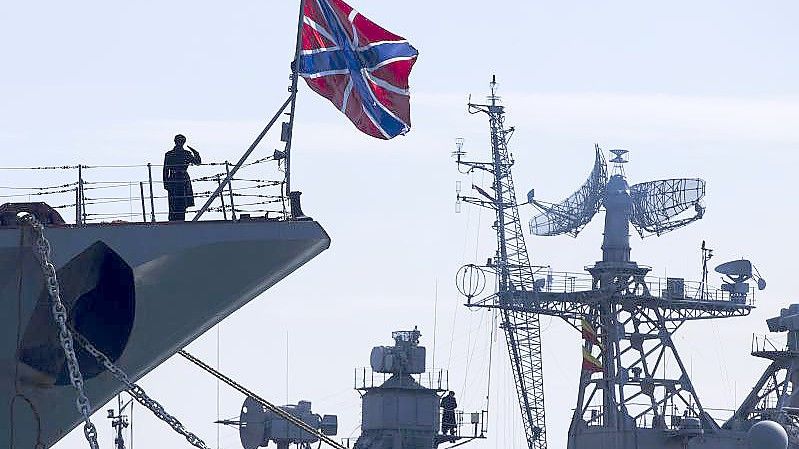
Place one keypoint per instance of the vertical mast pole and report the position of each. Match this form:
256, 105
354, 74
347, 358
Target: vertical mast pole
294, 78
289, 101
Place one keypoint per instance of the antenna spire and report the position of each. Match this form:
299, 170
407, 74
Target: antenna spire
493, 98
619, 160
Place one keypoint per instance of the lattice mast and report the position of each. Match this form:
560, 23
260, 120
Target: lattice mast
513, 271
633, 377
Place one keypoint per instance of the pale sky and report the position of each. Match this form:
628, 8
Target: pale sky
703, 89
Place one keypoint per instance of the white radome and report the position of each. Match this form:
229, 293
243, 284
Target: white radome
767, 435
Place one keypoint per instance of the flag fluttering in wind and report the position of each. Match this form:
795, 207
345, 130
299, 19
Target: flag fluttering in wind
589, 333
360, 67
591, 363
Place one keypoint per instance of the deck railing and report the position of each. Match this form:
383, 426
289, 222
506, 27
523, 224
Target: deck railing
434, 379
84, 194
665, 288
775, 342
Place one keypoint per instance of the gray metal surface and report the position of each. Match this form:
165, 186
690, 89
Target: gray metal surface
400, 413
181, 291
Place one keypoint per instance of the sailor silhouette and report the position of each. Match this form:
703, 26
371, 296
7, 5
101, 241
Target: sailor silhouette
176, 177
448, 423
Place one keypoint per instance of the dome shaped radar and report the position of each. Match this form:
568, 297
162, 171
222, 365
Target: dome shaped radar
767, 435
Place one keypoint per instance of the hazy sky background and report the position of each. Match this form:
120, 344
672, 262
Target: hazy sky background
690, 88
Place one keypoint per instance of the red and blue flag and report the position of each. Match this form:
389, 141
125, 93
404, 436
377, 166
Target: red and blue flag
360, 67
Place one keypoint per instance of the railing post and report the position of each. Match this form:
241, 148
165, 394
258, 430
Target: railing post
143, 211
222, 198
81, 195
152, 201
77, 206
230, 191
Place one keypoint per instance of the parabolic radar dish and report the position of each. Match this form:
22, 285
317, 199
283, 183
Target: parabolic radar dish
665, 205
572, 214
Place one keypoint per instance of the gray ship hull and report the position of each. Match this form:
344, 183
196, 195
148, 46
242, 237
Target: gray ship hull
656, 439
185, 278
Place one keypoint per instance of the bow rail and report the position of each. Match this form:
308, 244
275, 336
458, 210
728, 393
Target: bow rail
86, 194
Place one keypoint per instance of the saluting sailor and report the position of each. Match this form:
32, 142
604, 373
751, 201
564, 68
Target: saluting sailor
176, 177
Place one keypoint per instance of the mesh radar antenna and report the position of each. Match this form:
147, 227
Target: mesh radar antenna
634, 389
512, 268
654, 207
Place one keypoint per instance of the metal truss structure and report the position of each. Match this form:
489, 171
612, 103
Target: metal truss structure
633, 376
775, 396
513, 270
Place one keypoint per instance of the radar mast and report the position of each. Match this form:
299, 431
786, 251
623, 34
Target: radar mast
512, 268
634, 389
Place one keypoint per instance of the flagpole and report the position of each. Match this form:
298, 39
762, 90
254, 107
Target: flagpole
294, 79
289, 103
241, 161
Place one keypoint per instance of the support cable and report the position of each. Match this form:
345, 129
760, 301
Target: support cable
266, 404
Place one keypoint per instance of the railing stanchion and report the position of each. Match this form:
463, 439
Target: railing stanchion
81, 195
143, 211
222, 198
77, 206
230, 190
152, 201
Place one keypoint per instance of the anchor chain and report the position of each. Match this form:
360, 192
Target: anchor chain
41, 248
139, 394
66, 336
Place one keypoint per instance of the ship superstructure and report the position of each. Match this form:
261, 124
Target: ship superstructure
401, 407
634, 390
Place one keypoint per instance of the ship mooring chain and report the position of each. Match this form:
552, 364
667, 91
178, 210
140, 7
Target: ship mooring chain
42, 251
41, 248
139, 394
266, 404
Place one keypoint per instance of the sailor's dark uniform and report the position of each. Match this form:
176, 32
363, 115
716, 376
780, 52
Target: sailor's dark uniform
177, 182
449, 404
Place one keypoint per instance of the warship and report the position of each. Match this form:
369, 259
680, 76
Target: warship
634, 390
400, 407
95, 304
100, 302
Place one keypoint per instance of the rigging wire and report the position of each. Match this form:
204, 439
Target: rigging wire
435, 322
218, 331
491, 342
473, 347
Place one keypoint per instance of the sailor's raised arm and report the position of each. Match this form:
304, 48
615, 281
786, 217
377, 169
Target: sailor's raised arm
197, 160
